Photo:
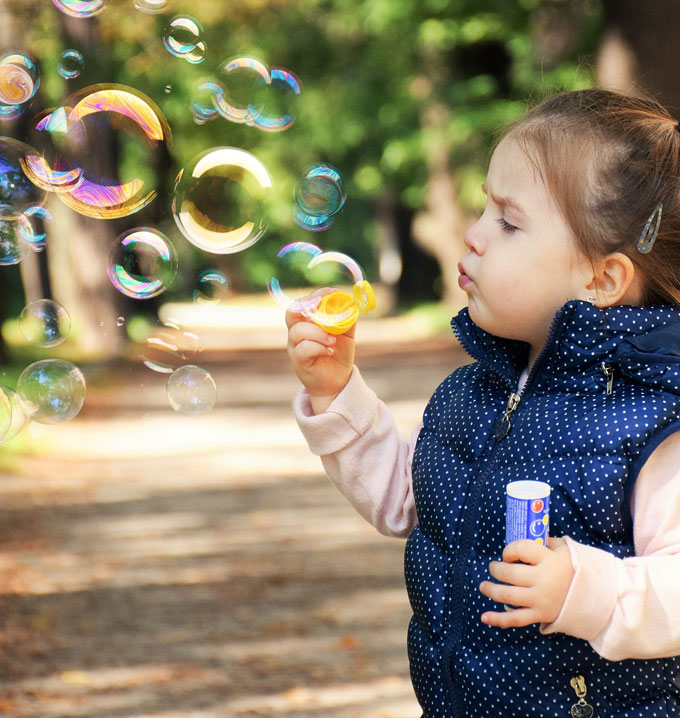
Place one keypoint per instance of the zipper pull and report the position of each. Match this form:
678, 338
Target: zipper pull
609, 373
503, 425
580, 709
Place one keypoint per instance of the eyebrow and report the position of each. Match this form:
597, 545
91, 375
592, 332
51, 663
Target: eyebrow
503, 201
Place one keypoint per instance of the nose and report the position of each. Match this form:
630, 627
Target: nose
473, 237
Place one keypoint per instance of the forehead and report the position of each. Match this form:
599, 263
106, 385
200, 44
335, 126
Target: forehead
515, 173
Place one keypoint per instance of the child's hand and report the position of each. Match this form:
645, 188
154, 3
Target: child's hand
321, 361
538, 590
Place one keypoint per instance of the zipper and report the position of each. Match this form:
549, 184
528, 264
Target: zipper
468, 528
609, 374
582, 709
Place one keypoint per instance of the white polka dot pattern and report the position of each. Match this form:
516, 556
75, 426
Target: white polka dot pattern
589, 445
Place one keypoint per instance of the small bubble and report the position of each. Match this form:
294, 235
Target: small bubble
120, 321
191, 390
45, 323
52, 390
71, 64
167, 89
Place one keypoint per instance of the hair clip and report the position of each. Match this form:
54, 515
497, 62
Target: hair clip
646, 241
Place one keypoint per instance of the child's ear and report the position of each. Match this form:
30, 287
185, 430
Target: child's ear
615, 281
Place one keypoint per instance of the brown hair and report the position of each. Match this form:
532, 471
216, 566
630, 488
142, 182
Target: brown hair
608, 160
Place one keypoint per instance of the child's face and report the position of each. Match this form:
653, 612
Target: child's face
522, 258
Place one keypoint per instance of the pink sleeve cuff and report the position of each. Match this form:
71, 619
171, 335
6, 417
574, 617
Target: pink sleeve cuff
592, 595
350, 416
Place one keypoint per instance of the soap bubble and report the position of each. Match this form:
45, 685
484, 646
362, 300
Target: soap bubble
19, 78
257, 95
203, 94
142, 263
71, 64
212, 287
52, 390
284, 88
45, 323
15, 230
80, 8
80, 125
182, 38
246, 80
37, 216
120, 321
170, 347
151, 6
12, 415
318, 197
218, 200
191, 390
16, 189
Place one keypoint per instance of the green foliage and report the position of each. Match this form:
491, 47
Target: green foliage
370, 70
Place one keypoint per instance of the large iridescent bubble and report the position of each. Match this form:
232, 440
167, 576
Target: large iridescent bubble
142, 263
100, 107
80, 8
218, 200
52, 390
19, 78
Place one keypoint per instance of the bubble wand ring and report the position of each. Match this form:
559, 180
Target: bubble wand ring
337, 311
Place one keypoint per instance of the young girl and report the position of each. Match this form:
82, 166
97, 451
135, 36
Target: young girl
573, 322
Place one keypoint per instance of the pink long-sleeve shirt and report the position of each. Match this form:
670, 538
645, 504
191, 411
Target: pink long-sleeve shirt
622, 607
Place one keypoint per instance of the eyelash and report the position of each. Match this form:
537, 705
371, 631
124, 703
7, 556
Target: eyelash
506, 226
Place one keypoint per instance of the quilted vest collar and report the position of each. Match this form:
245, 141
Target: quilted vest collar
643, 341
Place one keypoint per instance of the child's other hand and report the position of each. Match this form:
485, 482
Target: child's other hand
321, 361
538, 589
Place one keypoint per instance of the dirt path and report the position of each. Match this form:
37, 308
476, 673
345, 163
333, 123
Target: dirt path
159, 565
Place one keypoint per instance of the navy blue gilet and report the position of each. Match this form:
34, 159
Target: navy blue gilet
600, 397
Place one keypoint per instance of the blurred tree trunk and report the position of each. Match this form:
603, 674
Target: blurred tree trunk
639, 49
79, 247
440, 225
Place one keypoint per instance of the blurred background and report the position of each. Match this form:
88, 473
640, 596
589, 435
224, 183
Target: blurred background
154, 562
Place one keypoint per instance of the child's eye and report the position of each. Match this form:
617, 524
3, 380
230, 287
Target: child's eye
506, 226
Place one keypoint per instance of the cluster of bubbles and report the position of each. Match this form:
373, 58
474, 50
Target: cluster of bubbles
48, 391
182, 38
319, 197
19, 81
218, 205
246, 91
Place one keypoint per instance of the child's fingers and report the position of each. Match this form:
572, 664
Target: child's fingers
524, 550
307, 350
510, 619
301, 331
517, 574
502, 593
